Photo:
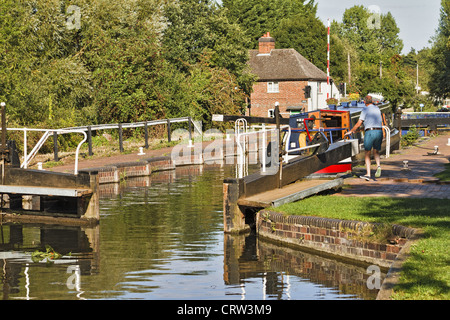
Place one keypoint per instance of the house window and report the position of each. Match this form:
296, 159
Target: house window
271, 113
272, 87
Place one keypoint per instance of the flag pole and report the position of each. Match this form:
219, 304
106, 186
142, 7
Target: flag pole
328, 60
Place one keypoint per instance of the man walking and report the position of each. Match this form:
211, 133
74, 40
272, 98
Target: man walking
373, 135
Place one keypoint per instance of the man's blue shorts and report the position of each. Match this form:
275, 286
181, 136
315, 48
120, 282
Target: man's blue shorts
373, 139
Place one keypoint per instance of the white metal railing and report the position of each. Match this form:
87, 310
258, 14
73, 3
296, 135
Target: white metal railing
28, 157
131, 125
83, 129
241, 132
388, 141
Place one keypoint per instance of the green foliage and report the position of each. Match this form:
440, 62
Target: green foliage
213, 91
50, 254
414, 102
136, 60
411, 137
440, 55
256, 17
126, 61
373, 43
38, 71
332, 101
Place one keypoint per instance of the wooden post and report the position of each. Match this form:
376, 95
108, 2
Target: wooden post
92, 208
120, 138
233, 217
398, 120
190, 128
89, 136
169, 138
55, 146
146, 135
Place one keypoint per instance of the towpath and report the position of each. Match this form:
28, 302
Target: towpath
418, 181
97, 162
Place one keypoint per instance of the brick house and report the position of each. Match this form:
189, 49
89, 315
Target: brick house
284, 76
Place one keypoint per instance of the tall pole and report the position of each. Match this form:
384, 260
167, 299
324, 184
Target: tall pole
328, 60
417, 79
349, 68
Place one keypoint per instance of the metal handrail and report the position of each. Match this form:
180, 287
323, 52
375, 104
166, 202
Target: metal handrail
388, 141
28, 157
128, 125
83, 130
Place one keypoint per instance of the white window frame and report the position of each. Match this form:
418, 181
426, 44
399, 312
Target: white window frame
319, 87
273, 87
271, 113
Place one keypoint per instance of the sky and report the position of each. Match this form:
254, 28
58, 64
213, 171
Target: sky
417, 19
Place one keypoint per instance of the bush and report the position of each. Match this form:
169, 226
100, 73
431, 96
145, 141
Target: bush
411, 137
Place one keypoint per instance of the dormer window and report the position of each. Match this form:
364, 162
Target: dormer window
273, 87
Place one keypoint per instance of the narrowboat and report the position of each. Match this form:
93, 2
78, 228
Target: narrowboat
329, 125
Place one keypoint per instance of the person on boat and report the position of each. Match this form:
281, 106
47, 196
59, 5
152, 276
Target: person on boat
373, 135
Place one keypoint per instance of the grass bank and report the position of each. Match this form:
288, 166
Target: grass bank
426, 273
444, 175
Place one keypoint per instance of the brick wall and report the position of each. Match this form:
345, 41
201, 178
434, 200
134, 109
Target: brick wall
115, 173
290, 94
317, 269
331, 236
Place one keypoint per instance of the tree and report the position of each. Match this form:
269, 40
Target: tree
440, 55
41, 78
198, 25
374, 41
294, 24
120, 61
213, 90
308, 36
212, 54
256, 17
121, 48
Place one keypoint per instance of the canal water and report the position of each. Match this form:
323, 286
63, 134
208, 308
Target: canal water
161, 237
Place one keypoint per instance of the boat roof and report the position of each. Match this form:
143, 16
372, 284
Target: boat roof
359, 107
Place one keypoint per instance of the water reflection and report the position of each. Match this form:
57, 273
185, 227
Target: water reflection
23, 277
288, 273
161, 237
